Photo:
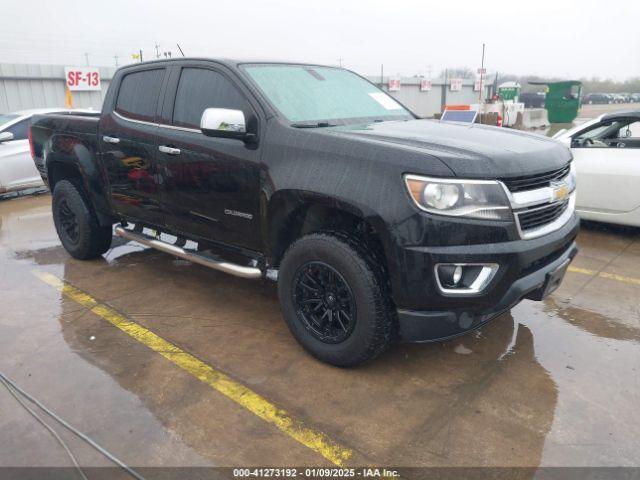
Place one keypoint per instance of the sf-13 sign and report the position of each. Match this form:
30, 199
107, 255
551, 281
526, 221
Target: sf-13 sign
82, 78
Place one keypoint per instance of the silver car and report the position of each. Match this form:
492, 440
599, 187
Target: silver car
17, 170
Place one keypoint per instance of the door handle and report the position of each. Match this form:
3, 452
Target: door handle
110, 139
169, 150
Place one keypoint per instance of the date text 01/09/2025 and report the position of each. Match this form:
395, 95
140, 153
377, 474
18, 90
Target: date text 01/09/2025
315, 472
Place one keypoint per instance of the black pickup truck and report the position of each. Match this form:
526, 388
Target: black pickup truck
375, 224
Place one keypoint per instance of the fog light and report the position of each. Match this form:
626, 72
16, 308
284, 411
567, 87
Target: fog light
450, 275
457, 274
464, 278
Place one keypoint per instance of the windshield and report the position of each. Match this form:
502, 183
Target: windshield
310, 94
6, 119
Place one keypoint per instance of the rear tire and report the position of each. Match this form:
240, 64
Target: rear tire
335, 300
76, 223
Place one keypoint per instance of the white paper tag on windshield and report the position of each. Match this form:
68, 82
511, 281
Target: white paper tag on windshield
385, 100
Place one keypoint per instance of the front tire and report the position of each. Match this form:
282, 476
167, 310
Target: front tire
335, 300
76, 223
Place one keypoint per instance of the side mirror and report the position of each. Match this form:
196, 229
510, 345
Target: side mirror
225, 123
6, 137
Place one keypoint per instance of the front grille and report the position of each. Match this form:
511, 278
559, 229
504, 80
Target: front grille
531, 182
535, 217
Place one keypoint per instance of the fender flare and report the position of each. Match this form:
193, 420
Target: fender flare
70, 152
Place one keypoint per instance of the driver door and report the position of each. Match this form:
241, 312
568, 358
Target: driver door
608, 169
210, 186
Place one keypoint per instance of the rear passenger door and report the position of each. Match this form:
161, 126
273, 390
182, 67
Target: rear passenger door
128, 145
210, 186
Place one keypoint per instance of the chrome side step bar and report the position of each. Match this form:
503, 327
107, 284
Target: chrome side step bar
192, 256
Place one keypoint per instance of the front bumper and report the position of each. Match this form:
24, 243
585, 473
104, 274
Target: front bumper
525, 266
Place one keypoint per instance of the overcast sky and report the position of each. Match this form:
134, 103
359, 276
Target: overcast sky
544, 37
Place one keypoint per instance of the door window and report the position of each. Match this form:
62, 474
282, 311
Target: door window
623, 133
6, 118
20, 130
138, 95
632, 130
199, 89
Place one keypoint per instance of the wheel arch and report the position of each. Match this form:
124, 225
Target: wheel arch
294, 213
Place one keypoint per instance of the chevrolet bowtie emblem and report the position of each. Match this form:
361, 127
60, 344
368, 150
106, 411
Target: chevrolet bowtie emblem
560, 192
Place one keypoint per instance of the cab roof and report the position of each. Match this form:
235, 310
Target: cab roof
621, 113
230, 62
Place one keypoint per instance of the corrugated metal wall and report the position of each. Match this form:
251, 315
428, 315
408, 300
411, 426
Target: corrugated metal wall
38, 86
427, 104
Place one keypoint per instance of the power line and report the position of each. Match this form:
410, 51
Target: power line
15, 389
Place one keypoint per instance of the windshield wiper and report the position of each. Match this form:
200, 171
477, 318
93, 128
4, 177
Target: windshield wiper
312, 125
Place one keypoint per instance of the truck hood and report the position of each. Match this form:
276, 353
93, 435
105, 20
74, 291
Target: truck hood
471, 151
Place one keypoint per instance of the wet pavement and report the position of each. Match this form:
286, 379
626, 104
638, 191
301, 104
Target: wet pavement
553, 383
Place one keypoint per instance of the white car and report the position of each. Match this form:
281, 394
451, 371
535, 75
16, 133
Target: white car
17, 170
606, 153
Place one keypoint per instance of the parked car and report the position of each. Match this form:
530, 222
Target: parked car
635, 98
532, 99
606, 153
625, 97
618, 98
601, 98
17, 171
374, 224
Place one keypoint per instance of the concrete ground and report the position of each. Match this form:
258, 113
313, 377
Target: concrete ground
553, 383
591, 111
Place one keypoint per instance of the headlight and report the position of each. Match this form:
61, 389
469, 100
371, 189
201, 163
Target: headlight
571, 178
484, 199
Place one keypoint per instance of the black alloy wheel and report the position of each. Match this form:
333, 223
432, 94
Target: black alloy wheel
324, 302
69, 222
76, 222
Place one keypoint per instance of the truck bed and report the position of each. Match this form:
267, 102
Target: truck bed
76, 128
81, 122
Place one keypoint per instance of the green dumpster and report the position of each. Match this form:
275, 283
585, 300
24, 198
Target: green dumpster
562, 100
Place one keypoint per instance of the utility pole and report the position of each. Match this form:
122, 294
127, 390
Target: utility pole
86, 58
443, 92
141, 56
157, 50
115, 57
481, 85
340, 62
381, 75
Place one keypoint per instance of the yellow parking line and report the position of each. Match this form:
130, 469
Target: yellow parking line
610, 276
255, 403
